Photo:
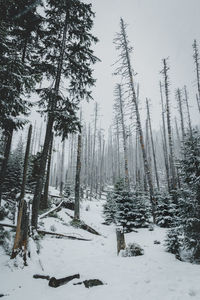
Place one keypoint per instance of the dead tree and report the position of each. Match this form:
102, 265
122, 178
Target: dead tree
165, 147
188, 110
196, 61
46, 185
125, 69
120, 115
93, 150
170, 141
180, 106
152, 144
26, 162
77, 180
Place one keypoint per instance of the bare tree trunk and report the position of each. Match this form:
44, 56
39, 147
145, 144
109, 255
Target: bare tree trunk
139, 126
93, 151
62, 168
179, 99
46, 186
196, 61
77, 181
171, 154
21, 237
188, 110
26, 163
152, 144
165, 148
124, 134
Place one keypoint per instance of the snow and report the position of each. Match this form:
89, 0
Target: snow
156, 275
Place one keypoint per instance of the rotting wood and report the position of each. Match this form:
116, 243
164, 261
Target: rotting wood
38, 276
53, 282
49, 232
62, 235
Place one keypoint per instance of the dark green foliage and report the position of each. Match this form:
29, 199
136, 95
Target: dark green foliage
109, 209
165, 210
13, 179
141, 209
33, 172
125, 208
173, 241
3, 213
190, 196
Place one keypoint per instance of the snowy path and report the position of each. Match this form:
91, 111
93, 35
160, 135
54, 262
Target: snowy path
156, 275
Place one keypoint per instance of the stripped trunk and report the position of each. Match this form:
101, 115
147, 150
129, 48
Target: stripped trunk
152, 144
26, 163
171, 152
188, 110
165, 148
196, 61
124, 134
46, 186
139, 126
179, 99
77, 181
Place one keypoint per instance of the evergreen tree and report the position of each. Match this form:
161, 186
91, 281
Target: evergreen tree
189, 202
165, 210
68, 58
13, 179
109, 209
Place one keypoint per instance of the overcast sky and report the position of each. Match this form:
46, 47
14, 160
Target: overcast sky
157, 29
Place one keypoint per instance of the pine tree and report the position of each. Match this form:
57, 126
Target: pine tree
68, 55
165, 210
189, 202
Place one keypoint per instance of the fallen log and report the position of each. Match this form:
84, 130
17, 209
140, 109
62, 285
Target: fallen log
50, 232
53, 282
90, 283
51, 210
84, 226
38, 276
62, 235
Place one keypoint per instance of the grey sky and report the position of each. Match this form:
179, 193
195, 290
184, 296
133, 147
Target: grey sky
157, 29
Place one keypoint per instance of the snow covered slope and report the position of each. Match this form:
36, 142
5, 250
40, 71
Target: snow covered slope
156, 275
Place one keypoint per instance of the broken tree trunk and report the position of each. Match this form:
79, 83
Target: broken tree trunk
121, 245
21, 237
53, 282
62, 235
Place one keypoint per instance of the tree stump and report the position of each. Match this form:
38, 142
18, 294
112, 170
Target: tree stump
121, 245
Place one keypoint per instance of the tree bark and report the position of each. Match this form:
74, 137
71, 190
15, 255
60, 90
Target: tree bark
77, 181
50, 122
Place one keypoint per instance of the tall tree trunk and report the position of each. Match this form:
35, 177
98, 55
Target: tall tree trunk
62, 168
165, 148
139, 126
179, 99
171, 152
188, 110
124, 134
77, 181
196, 61
46, 186
26, 163
152, 144
93, 151
47, 141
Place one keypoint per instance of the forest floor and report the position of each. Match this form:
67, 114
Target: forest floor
157, 275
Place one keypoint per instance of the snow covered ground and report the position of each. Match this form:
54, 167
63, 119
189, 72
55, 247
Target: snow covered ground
156, 275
